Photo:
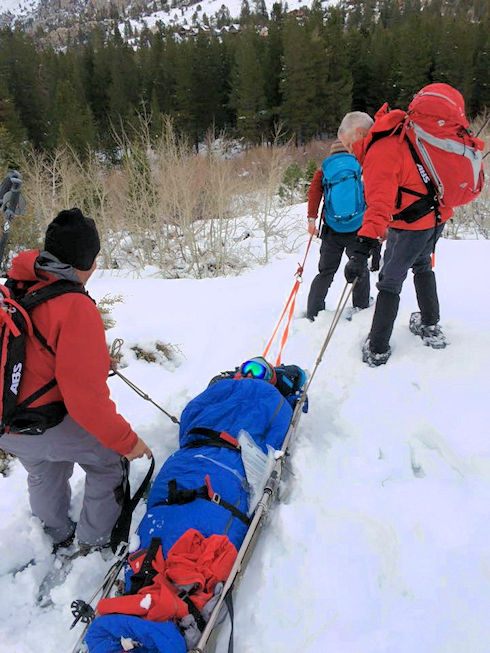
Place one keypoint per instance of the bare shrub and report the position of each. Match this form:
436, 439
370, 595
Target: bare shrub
105, 306
160, 352
161, 204
265, 167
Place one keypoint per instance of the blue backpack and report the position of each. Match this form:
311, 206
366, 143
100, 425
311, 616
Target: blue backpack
343, 191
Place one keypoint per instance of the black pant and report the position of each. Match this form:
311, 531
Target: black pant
404, 250
333, 246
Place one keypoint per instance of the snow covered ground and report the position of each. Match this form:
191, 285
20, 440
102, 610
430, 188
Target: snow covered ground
381, 541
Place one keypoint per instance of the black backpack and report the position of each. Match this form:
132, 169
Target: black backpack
15, 326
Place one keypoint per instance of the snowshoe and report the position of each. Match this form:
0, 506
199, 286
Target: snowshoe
372, 359
56, 576
62, 565
432, 336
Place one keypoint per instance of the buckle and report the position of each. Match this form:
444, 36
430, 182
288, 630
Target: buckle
216, 498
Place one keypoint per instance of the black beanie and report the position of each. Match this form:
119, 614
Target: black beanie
73, 239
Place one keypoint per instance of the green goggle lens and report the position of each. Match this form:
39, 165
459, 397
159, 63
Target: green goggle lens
256, 369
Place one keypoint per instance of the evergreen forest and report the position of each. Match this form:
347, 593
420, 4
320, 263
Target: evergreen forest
303, 69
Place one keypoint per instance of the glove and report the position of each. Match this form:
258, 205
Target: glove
356, 266
375, 257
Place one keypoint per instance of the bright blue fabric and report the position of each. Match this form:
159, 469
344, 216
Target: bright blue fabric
344, 192
231, 405
104, 635
228, 405
189, 467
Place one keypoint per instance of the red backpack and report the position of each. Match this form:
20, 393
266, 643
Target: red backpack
15, 327
437, 127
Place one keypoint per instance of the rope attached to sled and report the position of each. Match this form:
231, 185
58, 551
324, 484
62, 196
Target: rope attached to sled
291, 302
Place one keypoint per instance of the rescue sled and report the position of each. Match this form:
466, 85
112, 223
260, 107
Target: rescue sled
203, 513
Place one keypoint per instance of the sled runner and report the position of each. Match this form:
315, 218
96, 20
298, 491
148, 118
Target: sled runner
203, 509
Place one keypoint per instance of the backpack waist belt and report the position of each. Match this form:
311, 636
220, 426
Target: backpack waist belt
182, 496
213, 439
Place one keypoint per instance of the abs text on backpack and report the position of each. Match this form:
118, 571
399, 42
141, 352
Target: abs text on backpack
16, 327
343, 192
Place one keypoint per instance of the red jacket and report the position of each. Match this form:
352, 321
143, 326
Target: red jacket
387, 165
74, 330
315, 194
192, 561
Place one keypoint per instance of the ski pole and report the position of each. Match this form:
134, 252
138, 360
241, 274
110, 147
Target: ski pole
10, 194
83, 610
344, 297
114, 352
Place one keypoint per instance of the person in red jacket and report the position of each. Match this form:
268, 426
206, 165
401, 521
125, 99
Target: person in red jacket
81, 422
392, 183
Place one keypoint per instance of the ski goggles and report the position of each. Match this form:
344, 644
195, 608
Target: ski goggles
258, 368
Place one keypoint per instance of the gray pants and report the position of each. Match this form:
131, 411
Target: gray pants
49, 459
405, 250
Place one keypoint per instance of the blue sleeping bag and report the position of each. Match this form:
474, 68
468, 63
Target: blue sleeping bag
229, 405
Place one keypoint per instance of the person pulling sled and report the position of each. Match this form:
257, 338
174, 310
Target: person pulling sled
55, 407
339, 182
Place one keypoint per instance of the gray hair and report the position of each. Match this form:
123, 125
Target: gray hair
353, 120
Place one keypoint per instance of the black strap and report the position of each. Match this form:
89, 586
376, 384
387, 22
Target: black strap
408, 191
120, 532
426, 203
29, 301
231, 612
35, 395
213, 439
60, 287
418, 209
200, 621
146, 573
351, 175
183, 496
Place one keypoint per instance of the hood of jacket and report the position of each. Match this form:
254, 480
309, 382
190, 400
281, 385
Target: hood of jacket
36, 265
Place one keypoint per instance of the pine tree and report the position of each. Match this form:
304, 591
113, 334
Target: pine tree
304, 78
24, 85
415, 58
74, 118
338, 93
248, 96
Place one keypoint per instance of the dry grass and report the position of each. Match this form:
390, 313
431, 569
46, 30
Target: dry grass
162, 205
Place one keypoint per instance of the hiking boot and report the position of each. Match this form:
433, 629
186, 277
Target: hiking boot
373, 359
350, 311
432, 335
65, 544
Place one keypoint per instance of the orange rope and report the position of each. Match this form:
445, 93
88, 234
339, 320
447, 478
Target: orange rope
291, 302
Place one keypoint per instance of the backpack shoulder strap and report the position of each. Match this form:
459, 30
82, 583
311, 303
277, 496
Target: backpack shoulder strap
55, 289
37, 297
